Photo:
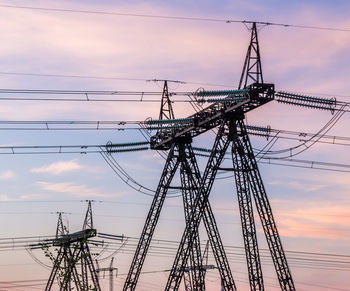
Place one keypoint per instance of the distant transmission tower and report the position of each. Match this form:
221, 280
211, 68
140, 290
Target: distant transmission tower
73, 253
110, 270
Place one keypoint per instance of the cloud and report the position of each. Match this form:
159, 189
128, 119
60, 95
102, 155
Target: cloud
307, 186
32, 196
4, 198
106, 45
71, 188
7, 175
58, 168
23, 197
301, 229
312, 219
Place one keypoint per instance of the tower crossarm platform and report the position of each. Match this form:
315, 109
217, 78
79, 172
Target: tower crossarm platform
210, 117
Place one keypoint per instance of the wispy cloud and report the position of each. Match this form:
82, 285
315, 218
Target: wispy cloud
32, 197
73, 189
7, 175
301, 229
58, 168
312, 219
4, 197
306, 187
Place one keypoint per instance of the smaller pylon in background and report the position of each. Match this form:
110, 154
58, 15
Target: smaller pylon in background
60, 230
74, 249
109, 269
166, 108
88, 222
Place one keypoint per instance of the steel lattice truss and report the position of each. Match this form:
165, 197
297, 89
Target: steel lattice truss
227, 115
73, 266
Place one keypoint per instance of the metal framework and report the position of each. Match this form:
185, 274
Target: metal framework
74, 251
252, 70
181, 154
226, 114
88, 222
110, 270
166, 108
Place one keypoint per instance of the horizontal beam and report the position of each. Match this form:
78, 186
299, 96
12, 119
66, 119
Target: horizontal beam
74, 237
211, 116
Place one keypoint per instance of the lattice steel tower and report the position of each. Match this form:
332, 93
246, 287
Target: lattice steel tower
73, 253
227, 115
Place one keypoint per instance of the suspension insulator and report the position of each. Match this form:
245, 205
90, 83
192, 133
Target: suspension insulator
204, 93
169, 121
306, 101
223, 100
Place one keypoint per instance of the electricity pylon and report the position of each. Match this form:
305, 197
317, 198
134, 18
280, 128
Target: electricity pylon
74, 251
110, 270
181, 156
227, 114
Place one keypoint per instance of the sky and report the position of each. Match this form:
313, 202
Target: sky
43, 49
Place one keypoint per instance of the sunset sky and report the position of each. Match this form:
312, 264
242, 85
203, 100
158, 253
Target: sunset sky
77, 50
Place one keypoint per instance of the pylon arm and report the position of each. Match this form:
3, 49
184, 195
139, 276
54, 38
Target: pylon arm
212, 116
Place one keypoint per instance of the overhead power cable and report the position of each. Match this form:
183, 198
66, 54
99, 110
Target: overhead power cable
259, 131
299, 136
307, 164
146, 204
143, 97
127, 179
297, 163
168, 17
172, 245
306, 144
90, 92
105, 78
148, 80
163, 248
99, 149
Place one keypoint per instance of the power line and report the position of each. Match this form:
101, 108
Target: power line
317, 165
172, 245
145, 204
339, 106
140, 100
148, 80
164, 248
77, 92
167, 17
96, 149
12, 244
258, 131
307, 144
106, 78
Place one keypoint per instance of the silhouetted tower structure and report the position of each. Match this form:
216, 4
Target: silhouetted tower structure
88, 221
195, 276
204, 267
166, 108
227, 115
74, 251
60, 230
110, 270
181, 156
252, 71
